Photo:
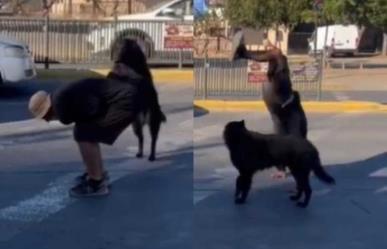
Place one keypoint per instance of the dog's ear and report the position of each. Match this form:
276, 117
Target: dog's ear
242, 122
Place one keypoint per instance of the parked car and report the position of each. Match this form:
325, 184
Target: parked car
145, 28
340, 39
16, 62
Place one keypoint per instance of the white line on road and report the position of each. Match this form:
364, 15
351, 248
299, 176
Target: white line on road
43, 204
56, 197
379, 173
200, 195
381, 190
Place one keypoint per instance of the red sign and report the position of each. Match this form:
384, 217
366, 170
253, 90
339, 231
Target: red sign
178, 36
256, 72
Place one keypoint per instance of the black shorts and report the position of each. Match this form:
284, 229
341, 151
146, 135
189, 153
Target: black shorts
104, 130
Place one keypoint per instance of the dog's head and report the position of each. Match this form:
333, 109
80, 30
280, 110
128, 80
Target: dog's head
233, 130
278, 64
129, 53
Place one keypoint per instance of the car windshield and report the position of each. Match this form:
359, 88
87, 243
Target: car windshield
158, 5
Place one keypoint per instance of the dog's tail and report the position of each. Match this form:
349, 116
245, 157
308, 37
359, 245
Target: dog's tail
163, 118
320, 173
160, 115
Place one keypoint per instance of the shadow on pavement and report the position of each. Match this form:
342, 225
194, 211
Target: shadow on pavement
199, 111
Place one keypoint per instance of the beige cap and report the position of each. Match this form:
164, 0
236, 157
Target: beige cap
39, 104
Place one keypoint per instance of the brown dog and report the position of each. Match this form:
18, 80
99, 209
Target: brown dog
283, 103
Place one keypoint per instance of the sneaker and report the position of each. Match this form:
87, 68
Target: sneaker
89, 188
83, 178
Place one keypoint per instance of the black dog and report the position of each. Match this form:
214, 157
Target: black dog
252, 151
283, 103
129, 53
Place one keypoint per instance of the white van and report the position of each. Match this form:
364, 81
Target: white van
340, 39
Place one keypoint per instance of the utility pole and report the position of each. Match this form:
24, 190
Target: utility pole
130, 7
70, 13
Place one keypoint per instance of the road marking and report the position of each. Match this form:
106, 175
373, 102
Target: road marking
381, 190
322, 192
55, 197
200, 195
379, 173
42, 205
206, 132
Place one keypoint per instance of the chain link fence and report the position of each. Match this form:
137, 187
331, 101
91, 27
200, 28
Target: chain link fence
90, 42
225, 79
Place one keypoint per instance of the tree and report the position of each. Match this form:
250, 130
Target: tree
378, 17
209, 25
346, 11
265, 14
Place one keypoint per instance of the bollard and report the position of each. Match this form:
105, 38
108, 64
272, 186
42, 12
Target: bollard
180, 59
47, 42
206, 67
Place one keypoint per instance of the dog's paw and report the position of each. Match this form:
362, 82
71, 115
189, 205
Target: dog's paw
152, 158
239, 201
139, 155
302, 204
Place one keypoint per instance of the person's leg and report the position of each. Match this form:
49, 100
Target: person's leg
91, 156
94, 183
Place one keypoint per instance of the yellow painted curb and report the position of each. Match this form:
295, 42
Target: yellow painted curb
309, 106
163, 75
159, 75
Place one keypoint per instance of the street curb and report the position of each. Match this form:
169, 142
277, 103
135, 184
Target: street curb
30, 127
159, 75
309, 106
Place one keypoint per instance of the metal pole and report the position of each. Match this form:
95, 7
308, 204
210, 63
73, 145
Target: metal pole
323, 62
47, 39
325, 43
206, 66
316, 34
181, 59
318, 60
115, 23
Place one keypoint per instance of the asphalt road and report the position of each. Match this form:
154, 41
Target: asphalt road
351, 214
150, 205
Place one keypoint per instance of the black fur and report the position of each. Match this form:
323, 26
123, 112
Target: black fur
129, 53
252, 151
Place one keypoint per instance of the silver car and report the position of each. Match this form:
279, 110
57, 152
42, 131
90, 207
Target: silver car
16, 62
